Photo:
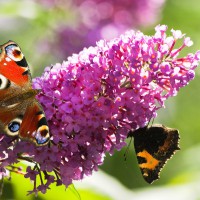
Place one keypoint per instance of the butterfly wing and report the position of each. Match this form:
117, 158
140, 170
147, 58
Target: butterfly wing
35, 120
20, 113
15, 76
27, 120
13, 64
153, 147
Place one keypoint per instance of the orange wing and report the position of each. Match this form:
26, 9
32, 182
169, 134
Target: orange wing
15, 76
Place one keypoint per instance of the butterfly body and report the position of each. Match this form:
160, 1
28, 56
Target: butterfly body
20, 112
154, 146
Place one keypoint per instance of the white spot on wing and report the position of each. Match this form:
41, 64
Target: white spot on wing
7, 59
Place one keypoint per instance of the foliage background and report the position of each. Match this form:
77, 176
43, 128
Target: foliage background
32, 26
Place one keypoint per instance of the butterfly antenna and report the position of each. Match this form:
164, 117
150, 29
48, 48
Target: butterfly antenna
54, 98
152, 121
127, 149
47, 73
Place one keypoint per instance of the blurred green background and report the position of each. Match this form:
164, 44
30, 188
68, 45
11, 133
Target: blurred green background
41, 28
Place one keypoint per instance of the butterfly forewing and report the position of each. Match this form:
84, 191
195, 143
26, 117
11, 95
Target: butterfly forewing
10, 65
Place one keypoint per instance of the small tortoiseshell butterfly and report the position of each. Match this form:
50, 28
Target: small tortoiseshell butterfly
154, 146
20, 113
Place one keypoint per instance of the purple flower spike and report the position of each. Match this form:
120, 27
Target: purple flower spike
93, 99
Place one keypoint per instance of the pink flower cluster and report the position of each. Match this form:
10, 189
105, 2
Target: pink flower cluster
94, 98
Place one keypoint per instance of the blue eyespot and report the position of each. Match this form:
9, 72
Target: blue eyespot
42, 140
42, 135
14, 126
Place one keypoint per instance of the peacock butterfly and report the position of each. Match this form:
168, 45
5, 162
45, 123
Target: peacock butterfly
20, 113
154, 146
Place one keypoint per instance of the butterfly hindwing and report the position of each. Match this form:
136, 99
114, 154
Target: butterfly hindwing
27, 121
154, 146
20, 113
35, 120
